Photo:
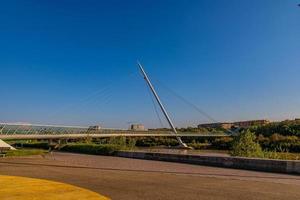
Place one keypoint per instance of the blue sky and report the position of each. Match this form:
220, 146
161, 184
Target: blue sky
74, 62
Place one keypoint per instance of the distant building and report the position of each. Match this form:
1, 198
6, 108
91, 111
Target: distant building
137, 127
228, 125
245, 124
94, 128
216, 125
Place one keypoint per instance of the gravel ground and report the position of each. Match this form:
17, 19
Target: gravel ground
122, 178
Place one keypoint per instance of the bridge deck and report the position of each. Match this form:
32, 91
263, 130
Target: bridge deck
103, 135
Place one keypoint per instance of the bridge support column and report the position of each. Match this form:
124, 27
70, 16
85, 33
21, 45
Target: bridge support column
50, 142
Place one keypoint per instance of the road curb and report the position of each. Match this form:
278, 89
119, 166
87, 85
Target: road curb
267, 165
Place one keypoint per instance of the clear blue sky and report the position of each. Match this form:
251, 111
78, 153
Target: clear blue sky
74, 62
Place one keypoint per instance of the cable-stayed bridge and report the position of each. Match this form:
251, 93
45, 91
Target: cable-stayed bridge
46, 131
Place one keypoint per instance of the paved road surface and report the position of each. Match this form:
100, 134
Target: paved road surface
122, 178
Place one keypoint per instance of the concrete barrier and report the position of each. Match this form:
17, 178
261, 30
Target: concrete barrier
268, 165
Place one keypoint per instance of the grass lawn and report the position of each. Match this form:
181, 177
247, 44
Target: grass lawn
26, 152
283, 155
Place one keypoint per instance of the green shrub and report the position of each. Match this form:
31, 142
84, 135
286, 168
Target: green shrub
280, 143
223, 143
102, 149
131, 143
245, 145
36, 145
156, 141
281, 155
285, 128
199, 146
121, 141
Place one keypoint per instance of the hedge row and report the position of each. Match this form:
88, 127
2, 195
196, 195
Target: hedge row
101, 149
37, 145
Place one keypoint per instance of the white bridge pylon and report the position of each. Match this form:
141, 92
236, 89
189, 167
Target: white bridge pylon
44, 131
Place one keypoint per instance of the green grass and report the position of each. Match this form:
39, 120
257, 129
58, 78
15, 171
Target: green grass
214, 151
199, 146
282, 155
25, 152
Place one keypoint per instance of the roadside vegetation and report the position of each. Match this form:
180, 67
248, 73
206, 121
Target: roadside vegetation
86, 146
25, 152
108, 147
277, 136
278, 140
94, 149
246, 145
275, 141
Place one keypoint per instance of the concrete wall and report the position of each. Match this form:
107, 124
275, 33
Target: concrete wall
281, 166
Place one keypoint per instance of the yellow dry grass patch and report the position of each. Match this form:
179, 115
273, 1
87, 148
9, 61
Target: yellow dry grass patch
21, 188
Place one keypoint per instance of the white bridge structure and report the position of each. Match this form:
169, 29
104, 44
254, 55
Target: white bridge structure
45, 131
42, 131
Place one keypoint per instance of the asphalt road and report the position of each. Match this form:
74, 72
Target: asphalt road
122, 178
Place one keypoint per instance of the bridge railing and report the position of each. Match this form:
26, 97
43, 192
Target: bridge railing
15, 129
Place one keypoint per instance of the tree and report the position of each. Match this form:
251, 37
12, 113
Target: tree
245, 145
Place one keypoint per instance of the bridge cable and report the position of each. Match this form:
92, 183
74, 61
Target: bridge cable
192, 105
103, 92
155, 107
183, 99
